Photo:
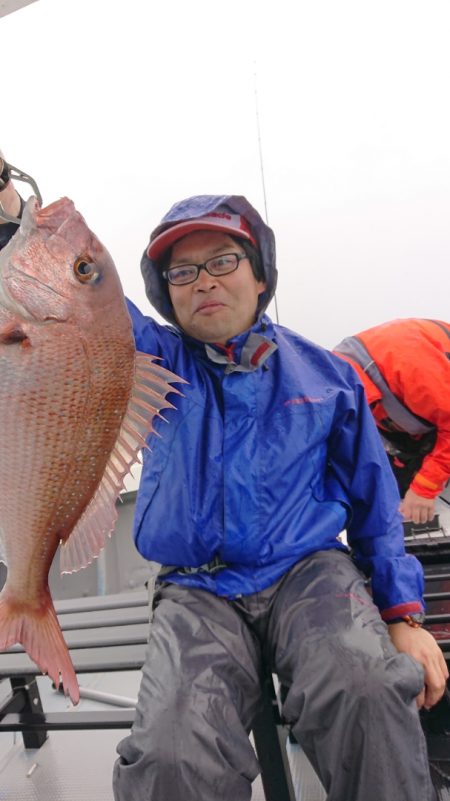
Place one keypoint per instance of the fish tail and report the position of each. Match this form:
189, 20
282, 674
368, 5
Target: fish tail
38, 630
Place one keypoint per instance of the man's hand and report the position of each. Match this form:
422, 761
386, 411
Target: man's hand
422, 646
414, 507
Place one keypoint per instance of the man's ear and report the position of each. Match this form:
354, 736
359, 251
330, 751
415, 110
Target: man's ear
262, 286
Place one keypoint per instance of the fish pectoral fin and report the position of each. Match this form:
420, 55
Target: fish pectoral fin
13, 334
149, 395
89, 536
38, 630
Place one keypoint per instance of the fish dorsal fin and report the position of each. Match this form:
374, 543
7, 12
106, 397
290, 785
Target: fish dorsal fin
151, 385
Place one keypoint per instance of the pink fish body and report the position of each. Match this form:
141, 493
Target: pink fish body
76, 404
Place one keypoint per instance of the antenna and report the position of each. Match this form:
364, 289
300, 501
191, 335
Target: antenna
261, 164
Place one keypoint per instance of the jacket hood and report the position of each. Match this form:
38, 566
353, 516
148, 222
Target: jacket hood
197, 206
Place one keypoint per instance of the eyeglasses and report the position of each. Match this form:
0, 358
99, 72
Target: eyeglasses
217, 266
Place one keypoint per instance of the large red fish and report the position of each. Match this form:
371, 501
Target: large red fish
76, 404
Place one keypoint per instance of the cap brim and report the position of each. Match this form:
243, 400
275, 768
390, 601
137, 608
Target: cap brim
163, 241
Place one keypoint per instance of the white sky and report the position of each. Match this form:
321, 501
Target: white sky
129, 106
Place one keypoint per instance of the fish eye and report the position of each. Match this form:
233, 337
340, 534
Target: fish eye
85, 270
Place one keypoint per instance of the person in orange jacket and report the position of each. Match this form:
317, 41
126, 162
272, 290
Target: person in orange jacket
404, 366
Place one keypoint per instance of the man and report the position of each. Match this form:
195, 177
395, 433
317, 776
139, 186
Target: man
270, 454
405, 369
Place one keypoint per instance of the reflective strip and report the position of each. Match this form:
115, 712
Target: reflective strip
441, 326
398, 413
425, 482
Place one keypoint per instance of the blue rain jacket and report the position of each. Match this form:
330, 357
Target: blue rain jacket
262, 468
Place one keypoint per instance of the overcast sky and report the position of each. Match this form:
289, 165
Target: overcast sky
129, 106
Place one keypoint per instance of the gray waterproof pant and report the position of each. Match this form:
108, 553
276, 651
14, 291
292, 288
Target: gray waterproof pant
350, 695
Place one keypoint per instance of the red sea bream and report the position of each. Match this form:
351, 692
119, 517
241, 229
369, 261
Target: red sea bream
76, 405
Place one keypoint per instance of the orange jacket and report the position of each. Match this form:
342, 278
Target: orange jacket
413, 357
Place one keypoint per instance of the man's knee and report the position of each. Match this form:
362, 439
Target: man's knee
365, 687
145, 768
153, 768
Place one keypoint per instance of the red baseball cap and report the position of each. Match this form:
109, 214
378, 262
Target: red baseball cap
233, 224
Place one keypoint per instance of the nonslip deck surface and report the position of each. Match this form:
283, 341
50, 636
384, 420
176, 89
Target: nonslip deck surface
77, 765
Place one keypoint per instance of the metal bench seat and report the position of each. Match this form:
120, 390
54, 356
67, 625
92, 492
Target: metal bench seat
108, 638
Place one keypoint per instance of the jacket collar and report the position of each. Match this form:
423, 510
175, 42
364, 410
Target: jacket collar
244, 353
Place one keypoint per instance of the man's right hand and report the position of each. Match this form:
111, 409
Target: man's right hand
414, 507
422, 646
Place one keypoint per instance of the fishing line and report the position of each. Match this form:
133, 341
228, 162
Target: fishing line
261, 164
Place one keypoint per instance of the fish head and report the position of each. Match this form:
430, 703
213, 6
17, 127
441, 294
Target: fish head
55, 268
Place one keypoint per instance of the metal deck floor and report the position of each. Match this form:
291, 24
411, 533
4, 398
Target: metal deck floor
70, 766
77, 765
73, 766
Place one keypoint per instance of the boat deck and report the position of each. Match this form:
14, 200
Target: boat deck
77, 765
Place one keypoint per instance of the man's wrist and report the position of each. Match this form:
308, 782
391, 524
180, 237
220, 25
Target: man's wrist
415, 621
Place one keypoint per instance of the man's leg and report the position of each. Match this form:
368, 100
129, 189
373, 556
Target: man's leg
350, 694
199, 692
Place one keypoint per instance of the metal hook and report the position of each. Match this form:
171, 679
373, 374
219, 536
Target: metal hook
19, 175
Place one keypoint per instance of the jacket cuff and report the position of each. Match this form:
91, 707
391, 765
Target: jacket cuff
409, 608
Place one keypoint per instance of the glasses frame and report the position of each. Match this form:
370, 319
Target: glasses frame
204, 266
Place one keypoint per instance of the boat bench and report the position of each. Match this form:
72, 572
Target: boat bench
103, 633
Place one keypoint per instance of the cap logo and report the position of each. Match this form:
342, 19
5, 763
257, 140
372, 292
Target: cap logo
223, 215
235, 220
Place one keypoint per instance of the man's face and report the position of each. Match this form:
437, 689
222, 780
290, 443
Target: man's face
214, 309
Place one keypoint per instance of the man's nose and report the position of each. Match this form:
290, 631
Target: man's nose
204, 281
